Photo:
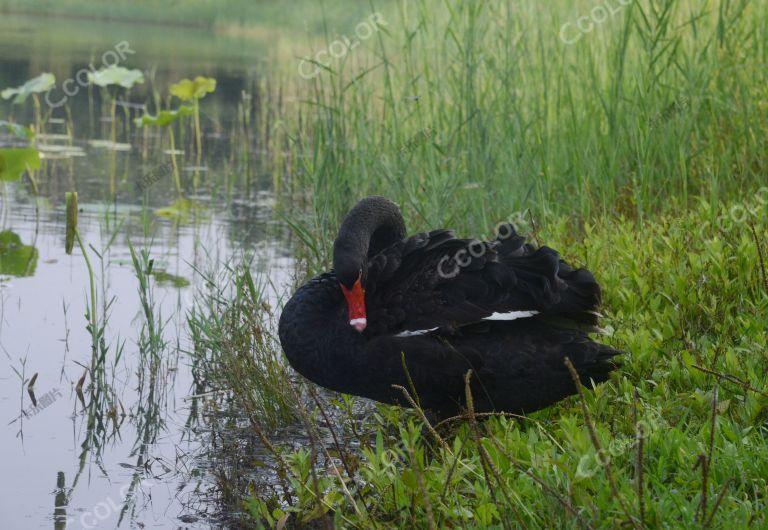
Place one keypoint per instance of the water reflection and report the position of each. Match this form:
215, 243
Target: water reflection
16, 258
60, 503
117, 353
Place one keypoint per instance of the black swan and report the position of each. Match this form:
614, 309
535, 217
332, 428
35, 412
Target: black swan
506, 310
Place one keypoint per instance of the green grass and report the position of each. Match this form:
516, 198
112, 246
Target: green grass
235, 350
662, 103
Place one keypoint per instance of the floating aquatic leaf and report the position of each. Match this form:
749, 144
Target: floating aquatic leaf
179, 208
41, 83
116, 75
168, 211
71, 197
16, 259
171, 280
15, 161
165, 117
17, 130
187, 90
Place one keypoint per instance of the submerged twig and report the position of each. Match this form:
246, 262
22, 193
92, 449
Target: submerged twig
256, 426
314, 439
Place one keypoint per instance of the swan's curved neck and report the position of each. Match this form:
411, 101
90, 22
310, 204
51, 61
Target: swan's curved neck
372, 225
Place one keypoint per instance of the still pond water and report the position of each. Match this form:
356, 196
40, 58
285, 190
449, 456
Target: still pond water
56, 471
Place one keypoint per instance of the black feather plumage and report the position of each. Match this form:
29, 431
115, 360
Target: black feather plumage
429, 297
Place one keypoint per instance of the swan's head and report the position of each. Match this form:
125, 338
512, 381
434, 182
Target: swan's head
371, 225
352, 287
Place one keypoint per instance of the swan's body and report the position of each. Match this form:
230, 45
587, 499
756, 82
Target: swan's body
507, 311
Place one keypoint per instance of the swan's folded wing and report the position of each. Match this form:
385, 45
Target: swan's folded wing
435, 280
430, 369
517, 367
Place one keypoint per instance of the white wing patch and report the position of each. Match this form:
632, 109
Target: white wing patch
415, 333
512, 315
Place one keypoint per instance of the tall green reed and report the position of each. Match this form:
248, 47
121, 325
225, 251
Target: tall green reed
657, 105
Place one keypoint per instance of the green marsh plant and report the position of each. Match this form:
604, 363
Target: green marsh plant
111, 79
34, 87
165, 119
192, 91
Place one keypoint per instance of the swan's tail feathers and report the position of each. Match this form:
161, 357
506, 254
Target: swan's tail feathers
580, 295
562, 290
594, 362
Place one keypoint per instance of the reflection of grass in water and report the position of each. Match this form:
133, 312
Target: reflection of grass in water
153, 378
153, 374
102, 403
240, 380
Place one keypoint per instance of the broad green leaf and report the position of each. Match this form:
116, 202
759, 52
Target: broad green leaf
15, 161
116, 75
17, 130
41, 83
187, 90
16, 259
165, 117
71, 197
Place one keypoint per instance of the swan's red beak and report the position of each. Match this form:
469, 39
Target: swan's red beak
356, 303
